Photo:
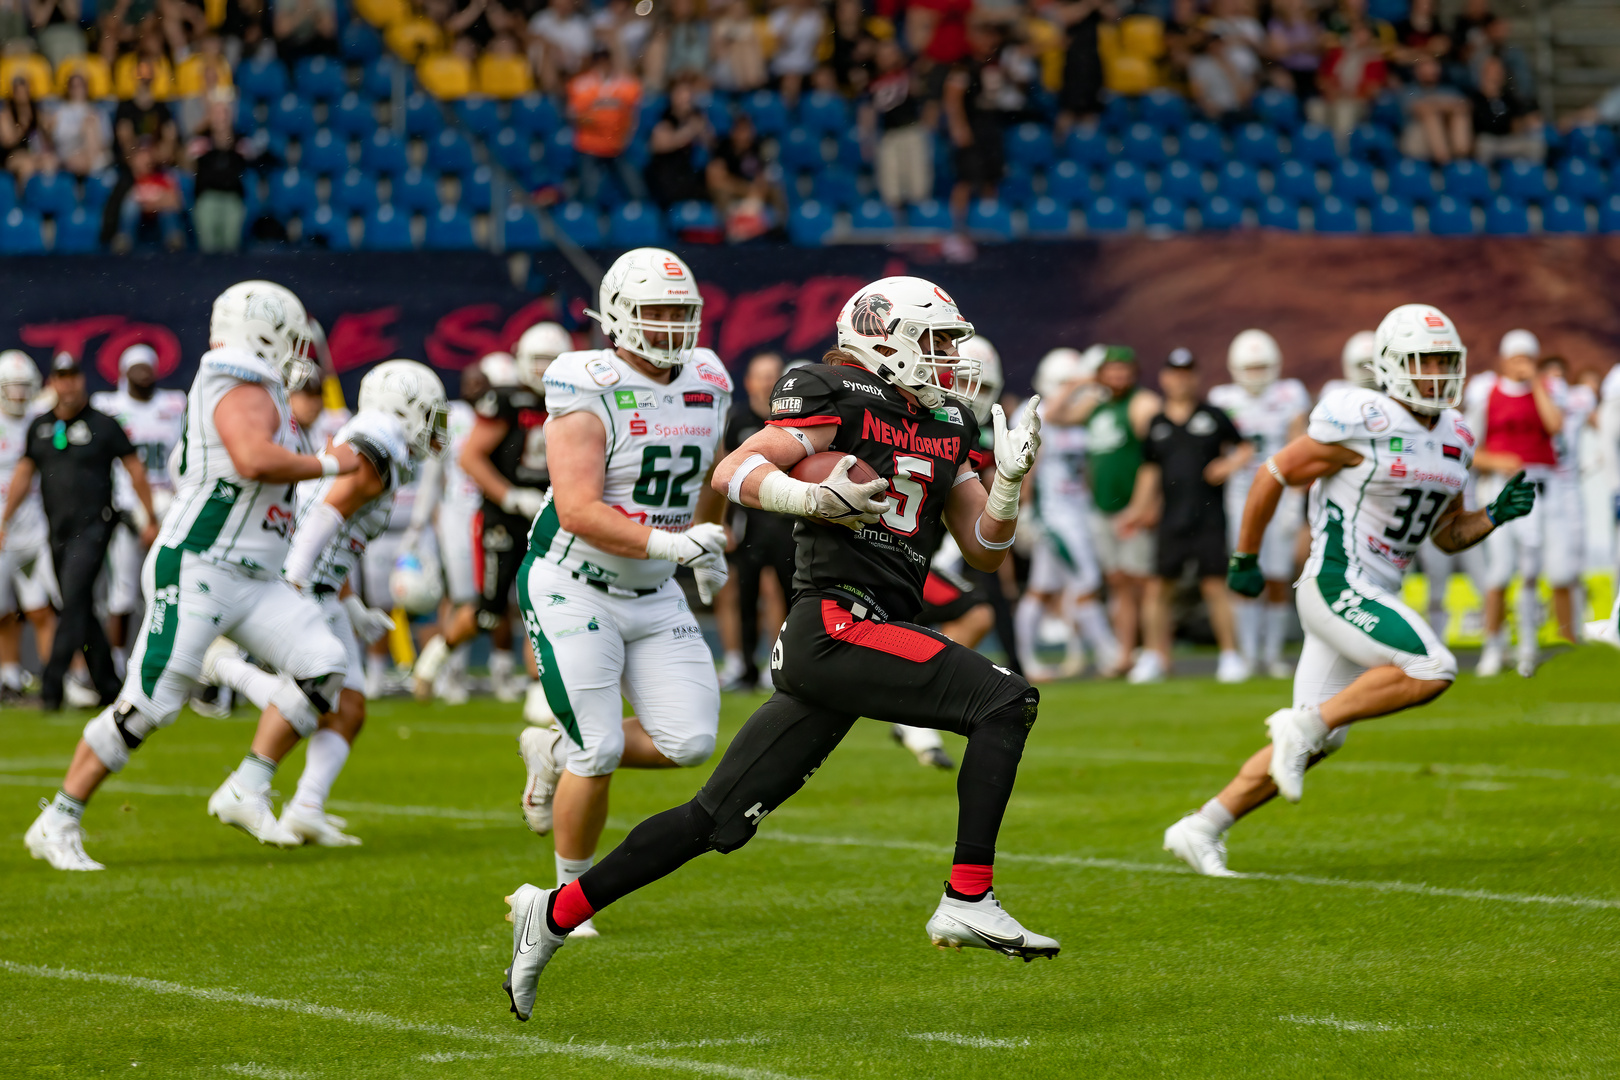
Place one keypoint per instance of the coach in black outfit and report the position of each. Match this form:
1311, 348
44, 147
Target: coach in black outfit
72, 448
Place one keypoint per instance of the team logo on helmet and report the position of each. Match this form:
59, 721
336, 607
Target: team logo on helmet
870, 316
267, 308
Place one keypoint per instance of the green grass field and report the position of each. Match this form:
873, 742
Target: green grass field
1445, 902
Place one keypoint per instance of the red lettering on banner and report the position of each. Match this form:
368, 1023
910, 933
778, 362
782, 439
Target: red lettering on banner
820, 300
463, 337
71, 336
160, 338
361, 338
716, 302
755, 318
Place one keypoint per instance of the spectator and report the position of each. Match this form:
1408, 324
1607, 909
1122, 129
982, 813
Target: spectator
1520, 75
680, 44
154, 195
740, 183
1502, 128
1222, 76
1234, 20
142, 117
673, 175
219, 208
1420, 34
1294, 43
797, 27
305, 28
24, 143
56, 28
1468, 28
1353, 72
248, 21
78, 132
1439, 125
216, 89
482, 21
617, 26
180, 23
602, 103
973, 120
739, 55
1184, 37
904, 122
563, 42
937, 31
853, 46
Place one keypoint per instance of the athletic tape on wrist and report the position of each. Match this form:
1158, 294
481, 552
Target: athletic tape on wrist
750, 463
329, 464
1002, 502
987, 545
782, 494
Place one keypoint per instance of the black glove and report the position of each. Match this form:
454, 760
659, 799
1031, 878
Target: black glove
1243, 574
1516, 500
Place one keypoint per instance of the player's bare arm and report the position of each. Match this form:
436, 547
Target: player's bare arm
1147, 501
1298, 464
577, 445
475, 461
247, 420
966, 509
781, 448
143, 492
1221, 469
22, 483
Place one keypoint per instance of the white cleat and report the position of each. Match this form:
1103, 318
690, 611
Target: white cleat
1147, 669
1602, 631
1195, 842
77, 695
1279, 669
533, 944
1490, 661
983, 924
1291, 750
221, 649
428, 664
536, 709
315, 827
508, 690
1231, 668
538, 749
59, 840
586, 929
250, 811
451, 687
1527, 666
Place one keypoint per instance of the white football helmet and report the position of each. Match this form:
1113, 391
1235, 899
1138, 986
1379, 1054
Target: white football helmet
991, 380
1057, 369
411, 393
499, 368
883, 327
1254, 360
416, 585
1519, 343
268, 321
642, 278
537, 348
1404, 338
1357, 359
19, 382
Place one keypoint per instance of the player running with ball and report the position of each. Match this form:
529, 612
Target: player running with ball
1388, 467
895, 398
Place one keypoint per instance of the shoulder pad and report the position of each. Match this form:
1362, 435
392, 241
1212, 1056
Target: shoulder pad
239, 364
379, 438
1351, 412
1223, 396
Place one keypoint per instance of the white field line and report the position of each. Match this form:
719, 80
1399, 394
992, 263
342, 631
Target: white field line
977, 1042
263, 1072
445, 1056
1335, 1022
618, 1055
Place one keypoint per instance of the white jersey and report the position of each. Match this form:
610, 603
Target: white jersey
1368, 520
28, 524
1060, 468
461, 495
1577, 403
380, 439
1263, 419
218, 514
154, 426
661, 441
327, 425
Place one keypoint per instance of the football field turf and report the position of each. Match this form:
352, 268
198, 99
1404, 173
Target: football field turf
1445, 902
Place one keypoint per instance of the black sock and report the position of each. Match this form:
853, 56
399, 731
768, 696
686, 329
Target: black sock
985, 781
658, 846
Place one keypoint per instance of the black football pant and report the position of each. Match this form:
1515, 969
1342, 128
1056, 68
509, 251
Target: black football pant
826, 663
767, 542
79, 559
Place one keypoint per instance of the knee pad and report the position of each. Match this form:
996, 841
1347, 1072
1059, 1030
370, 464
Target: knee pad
1440, 665
115, 731
1019, 712
303, 702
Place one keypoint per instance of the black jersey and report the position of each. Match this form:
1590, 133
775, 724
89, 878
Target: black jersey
1182, 451
919, 451
521, 456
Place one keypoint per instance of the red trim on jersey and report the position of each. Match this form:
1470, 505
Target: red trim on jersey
898, 641
478, 551
980, 460
1513, 426
937, 592
804, 421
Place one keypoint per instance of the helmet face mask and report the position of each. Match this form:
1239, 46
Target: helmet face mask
907, 332
411, 393
1254, 360
1420, 359
650, 306
19, 382
991, 380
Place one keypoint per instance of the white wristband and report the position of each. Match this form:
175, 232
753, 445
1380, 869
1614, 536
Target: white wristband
329, 464
987, 545
782, 494
1002, 502
750, 463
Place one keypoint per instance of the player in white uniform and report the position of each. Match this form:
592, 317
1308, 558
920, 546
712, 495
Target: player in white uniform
401, 422
1388, 467
1269, 411
1356, 359
154, 420
27, 577
213, 567
1563, 511
456, 514
631, 433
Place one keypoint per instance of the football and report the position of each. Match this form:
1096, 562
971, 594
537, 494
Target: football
817, 467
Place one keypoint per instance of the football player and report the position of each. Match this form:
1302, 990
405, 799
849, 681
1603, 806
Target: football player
213, 567
27, 575
1387, 469
895, 396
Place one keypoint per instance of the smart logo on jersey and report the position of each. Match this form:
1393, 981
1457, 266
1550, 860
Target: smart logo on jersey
635, 399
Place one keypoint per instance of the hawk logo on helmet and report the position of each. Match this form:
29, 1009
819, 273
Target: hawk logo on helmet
267, 308
870, 316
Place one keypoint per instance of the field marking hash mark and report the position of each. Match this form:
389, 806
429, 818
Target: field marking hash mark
976, 1042
1335, 1022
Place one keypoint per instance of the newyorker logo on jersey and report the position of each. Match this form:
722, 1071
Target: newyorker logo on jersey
698, 399
635, 399
906, 438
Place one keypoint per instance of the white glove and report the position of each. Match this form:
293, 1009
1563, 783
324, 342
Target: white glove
369, 623
524, 502
1015, 456
710, 580
703, 545
837, 499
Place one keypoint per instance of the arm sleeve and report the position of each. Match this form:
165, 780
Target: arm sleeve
803, 399
429, 489
315, 532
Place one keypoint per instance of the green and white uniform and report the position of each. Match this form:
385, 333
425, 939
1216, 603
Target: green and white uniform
600, 624
1113, 454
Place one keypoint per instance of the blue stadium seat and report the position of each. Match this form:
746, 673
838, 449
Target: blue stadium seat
765, 108
1562, 214
1107, 215
1594, 142
1412, 180
50, 194
1119, 113
1507, 216
635, 224
1580, 180
292, 193
1314, 145
328, 228
21, 233
1279, 213
78, 232
800, 150
319, 78
848, 153
1393, 216
8, 193
928, 214
1201, 144
377, 77
450, 151
450, 228
97, 190
1127, 183
992, 217
1144, 144
721, 114
808, 223
188, 188
697, 214
1466, 180
1219, 212
352, 116
384, 152
477, 190
1387, 112
325, 154
1030, 145
1068, 182
836, 188
1296, 182
1609, 214
823, 111
1164, 109
872, 214
355, 192
1451, 216
423, 116
522, 229
387, 229
359, 42
1047, 216
512, 149
536, 113
652, 110
260, 79
1278, 108
1334, 215
1163, 213
1258, 145
415, 191
246, 121
1181, 181
1240, 182
479, 115
1352, 181
1524, 180
559, 151
1088, 146
292, 115
1017, 187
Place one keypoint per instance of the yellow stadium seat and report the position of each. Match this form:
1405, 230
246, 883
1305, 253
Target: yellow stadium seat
214, 13
1108, 41
36, 69
414, 38
446, 76
504, 76
1141, 35
124, 78
1046, 42
384, 12
97, 79
1127, 74
188, 78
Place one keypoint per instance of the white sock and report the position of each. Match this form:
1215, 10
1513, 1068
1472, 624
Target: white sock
120, 659
249, 680
501, 665
1027, 627
256, 772
1248, 617
458, 661
1217, 815
11, 675
917, 739
1276, 616
1528, 610
323, 760
376, 666
571, 869
1094, 626
66, 806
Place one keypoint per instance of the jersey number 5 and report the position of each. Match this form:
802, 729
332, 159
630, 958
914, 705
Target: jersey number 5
908, 494
655, 488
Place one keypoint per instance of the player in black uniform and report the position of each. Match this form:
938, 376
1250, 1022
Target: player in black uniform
894, 395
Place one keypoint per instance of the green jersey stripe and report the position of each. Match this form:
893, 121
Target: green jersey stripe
1379, 622
163, 617
545, 657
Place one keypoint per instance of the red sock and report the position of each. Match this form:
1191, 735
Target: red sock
570, 908
970, 879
